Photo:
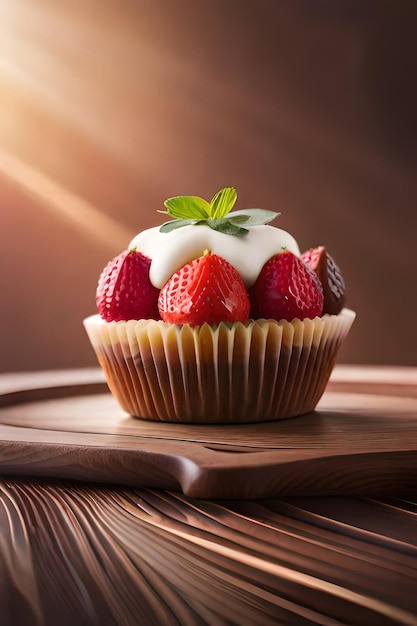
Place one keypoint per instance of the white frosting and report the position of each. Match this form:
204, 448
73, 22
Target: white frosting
248, 254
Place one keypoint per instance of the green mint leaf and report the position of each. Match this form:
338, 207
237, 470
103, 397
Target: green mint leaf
223, 202
193, 210
226, 227
188, 207
238, 219
174, 224
255, 217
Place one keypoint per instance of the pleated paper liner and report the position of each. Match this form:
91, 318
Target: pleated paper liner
255, 371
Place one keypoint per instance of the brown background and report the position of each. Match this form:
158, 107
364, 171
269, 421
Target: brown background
107, 108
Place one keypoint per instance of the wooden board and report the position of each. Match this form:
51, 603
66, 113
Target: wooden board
361, 440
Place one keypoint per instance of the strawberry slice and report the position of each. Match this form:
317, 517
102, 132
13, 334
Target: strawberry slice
330, 277
207, 289
124, 291
286, 288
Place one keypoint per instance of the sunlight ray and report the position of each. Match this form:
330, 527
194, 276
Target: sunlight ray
64, 204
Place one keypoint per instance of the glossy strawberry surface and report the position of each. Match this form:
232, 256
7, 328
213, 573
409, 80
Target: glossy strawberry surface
330, 277
208, 289
124, 290
286, 288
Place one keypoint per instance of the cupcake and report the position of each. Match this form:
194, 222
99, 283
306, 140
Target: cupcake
216, 317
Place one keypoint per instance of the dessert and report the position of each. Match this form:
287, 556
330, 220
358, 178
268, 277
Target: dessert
216, 317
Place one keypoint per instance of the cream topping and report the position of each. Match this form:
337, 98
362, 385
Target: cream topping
171, 251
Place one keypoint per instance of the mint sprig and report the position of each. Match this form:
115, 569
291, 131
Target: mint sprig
216, 214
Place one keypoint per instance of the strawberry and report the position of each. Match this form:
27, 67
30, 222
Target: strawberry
124, 290
207, 289
330, 277
286, 288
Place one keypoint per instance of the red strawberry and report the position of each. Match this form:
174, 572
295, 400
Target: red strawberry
207, 289
286, 288
330, 277
124, 291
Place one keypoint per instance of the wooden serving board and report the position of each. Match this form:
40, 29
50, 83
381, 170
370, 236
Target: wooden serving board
361, 440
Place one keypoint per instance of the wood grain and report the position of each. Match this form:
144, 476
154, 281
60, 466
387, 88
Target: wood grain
94, 556
361, 440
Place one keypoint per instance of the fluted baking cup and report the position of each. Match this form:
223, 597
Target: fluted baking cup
254, 371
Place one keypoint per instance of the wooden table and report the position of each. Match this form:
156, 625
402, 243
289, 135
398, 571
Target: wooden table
109, 520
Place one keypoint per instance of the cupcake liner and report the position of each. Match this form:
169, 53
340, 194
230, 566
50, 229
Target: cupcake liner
259, 370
